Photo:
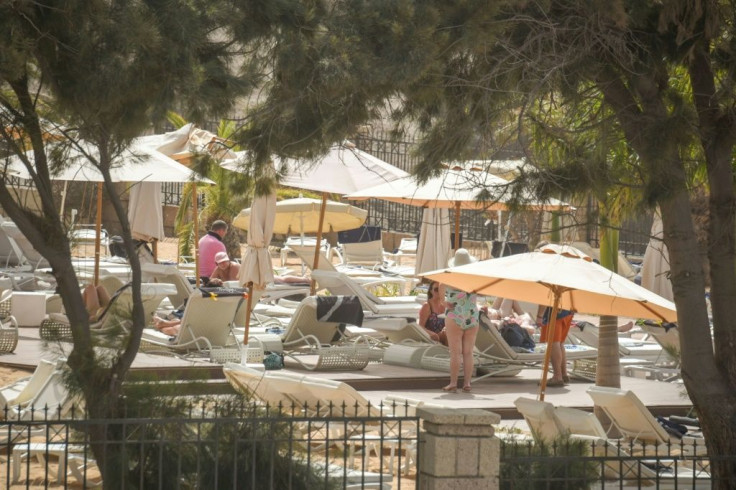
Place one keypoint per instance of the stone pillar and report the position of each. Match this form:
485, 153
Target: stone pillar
457, 449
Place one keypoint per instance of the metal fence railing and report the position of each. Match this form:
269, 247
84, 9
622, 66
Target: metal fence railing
587, 462
235, 444
223, 446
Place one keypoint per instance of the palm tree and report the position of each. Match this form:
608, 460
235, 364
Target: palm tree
231, 193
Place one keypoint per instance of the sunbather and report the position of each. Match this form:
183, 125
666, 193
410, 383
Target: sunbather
96, 299
169, 327
429, 314
510, 310
226, 270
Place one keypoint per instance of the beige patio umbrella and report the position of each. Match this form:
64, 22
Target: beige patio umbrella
302, 215
256, 270
433, 249
145, 213
656, 265
560, 277
457, 187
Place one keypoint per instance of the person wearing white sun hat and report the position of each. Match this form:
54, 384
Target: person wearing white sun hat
225, 270
461, 326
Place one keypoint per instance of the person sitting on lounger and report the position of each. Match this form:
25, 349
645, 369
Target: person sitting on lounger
429, 314
226, 270
96, 300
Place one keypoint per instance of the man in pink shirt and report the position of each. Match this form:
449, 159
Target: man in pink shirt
209, 246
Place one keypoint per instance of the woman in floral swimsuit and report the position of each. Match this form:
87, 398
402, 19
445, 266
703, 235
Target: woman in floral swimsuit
461, 327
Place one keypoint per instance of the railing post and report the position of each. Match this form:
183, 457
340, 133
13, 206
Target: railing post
457, 449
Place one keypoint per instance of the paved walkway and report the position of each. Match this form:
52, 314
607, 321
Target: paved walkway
378, 381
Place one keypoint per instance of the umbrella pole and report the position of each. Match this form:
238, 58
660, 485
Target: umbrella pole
550, 336
457, 225
154, 245
195, 232
248, 306
98, 229
317, 248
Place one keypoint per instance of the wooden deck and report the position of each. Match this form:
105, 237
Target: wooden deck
380, 380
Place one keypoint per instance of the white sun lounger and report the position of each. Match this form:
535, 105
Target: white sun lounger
117, 316
305, 335
493, 349
651, 352
340, 284
30, 255
622, 470
636, 423
207, 323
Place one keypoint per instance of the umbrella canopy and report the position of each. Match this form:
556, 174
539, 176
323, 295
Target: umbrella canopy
186, 142
561, 277
656, 268
455, 188
433, 249
583, 285
301, 215
137, 163
344, 169
144, 211
256, 270
256, 266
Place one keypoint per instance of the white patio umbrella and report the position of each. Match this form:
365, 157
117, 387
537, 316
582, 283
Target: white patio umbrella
560, 277
138, 163
144, 211
256, 271
656, 265
455, 188
344, 169
433, 249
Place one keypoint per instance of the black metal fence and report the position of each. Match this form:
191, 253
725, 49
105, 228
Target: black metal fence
587, 463
223, 446
244, 445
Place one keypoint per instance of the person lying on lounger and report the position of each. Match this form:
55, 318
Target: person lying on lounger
168, 327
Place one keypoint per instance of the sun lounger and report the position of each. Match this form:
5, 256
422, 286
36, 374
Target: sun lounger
306, 335
493, 350
207, 323
580, 422
651, 352
540, 417
31, 256
339, 283
44, 397
636, 423
620, 469
116, 317
10, 253
22, 391
367, 277
71, 460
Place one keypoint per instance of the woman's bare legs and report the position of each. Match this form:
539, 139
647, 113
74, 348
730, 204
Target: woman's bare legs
455, 344
95, 298
168, 327
468, 344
